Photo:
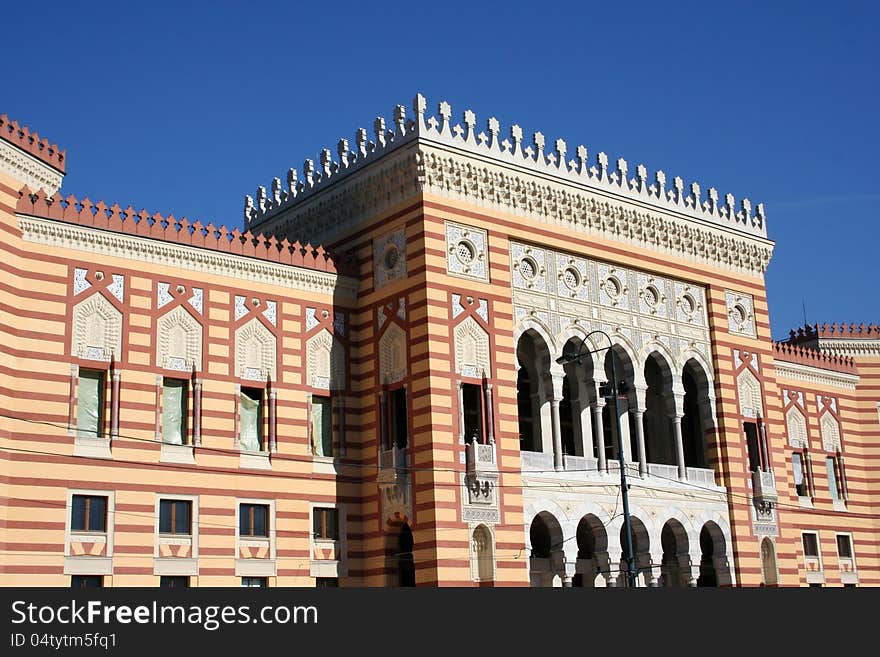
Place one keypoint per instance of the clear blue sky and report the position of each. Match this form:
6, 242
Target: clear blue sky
184, 108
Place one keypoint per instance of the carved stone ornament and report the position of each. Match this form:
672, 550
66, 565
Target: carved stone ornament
325, 357
255, 352
740, 313
178, 341
97, 329
467, 254
392, 354
749, 390
389, 258
471, 349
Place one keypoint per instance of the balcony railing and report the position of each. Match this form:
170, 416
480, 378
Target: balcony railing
480, 458
393, 465
701, 476
537, 462
764, 486
663, 471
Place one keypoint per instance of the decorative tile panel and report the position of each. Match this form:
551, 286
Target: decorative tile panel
740, 313
467, 251
389, 258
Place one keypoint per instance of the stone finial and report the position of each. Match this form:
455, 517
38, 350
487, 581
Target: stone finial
261, 198
470, 121
602, 161
678, 184
746, 211
309, 173
694, 200
660, 182
361, 140
494, 128
249, 210
342, 152
444, 109
642, 174
291, 183
326, 162
713, 201
759, 216
539, 142
516, 134
582, 156
276, 192
561, 150
622, 171
420, 106
400, 120
379, 131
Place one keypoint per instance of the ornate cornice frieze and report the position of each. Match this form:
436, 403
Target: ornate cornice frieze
850, 348
28, 169
91, 240
815, 375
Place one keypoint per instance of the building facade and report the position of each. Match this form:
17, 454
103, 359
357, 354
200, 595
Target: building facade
398, 375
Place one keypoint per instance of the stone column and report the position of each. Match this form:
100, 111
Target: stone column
490, 416
114, 404
197, 411
599, 431
678, 413
556, 427
639, 413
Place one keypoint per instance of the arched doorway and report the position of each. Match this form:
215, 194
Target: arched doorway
483, 554
406, 568
592, 555
675, 563
708, 555
769, 573
533, 392
641, 545
659, 441
697, 415
545, 558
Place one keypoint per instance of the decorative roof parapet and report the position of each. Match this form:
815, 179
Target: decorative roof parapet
180, 231
30, 142
793, 353
680, 198
810, 333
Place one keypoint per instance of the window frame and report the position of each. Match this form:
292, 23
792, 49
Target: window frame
264, 582
848, 536
252, 506
101, 432
832, 467
815, 536
163, 579
805, 474
174, 501
86, 514
398, 420
322, 513
262, 433
84, 579
326, 401
480, 391
186, 424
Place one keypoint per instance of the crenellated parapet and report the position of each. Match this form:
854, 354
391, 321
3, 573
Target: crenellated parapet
30, 142
552, 161
809, 333
178, 231
793, 353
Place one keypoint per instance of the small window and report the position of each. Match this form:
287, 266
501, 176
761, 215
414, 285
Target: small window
174, 582
251, 414
86, 581
326, 582
90, 404
322, 426
844, 546
174, 410
175, 517
88, 513
833, 485
811, 545
253, 520
472, 412
326, 523
253, 582
399, 418
800, 479
753, 445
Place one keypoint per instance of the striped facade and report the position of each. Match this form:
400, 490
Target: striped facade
442, 289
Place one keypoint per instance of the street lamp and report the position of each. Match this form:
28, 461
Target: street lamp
611, 389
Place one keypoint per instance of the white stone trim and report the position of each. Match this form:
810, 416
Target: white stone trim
329, 568
55, 233
851, 348
177, 565
255, 567
84, 564
28, 169
815, 375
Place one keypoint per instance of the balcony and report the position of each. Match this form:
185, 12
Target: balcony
393, 466
764, 486
480, 458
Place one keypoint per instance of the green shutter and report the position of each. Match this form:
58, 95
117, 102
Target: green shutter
174, 411
251, 414
90, 404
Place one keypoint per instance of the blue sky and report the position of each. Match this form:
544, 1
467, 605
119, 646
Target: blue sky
183, 109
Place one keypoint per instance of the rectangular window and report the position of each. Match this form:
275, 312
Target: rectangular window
754, 446
174, 410
472, 412
833, 486
322, 426
811, 544
325, 523
399, 418
253, 582
253, 520
251, 413
86, 581
326, 583
88, 513
844, 546
174, 582
175, 517
800, 479
90, 403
